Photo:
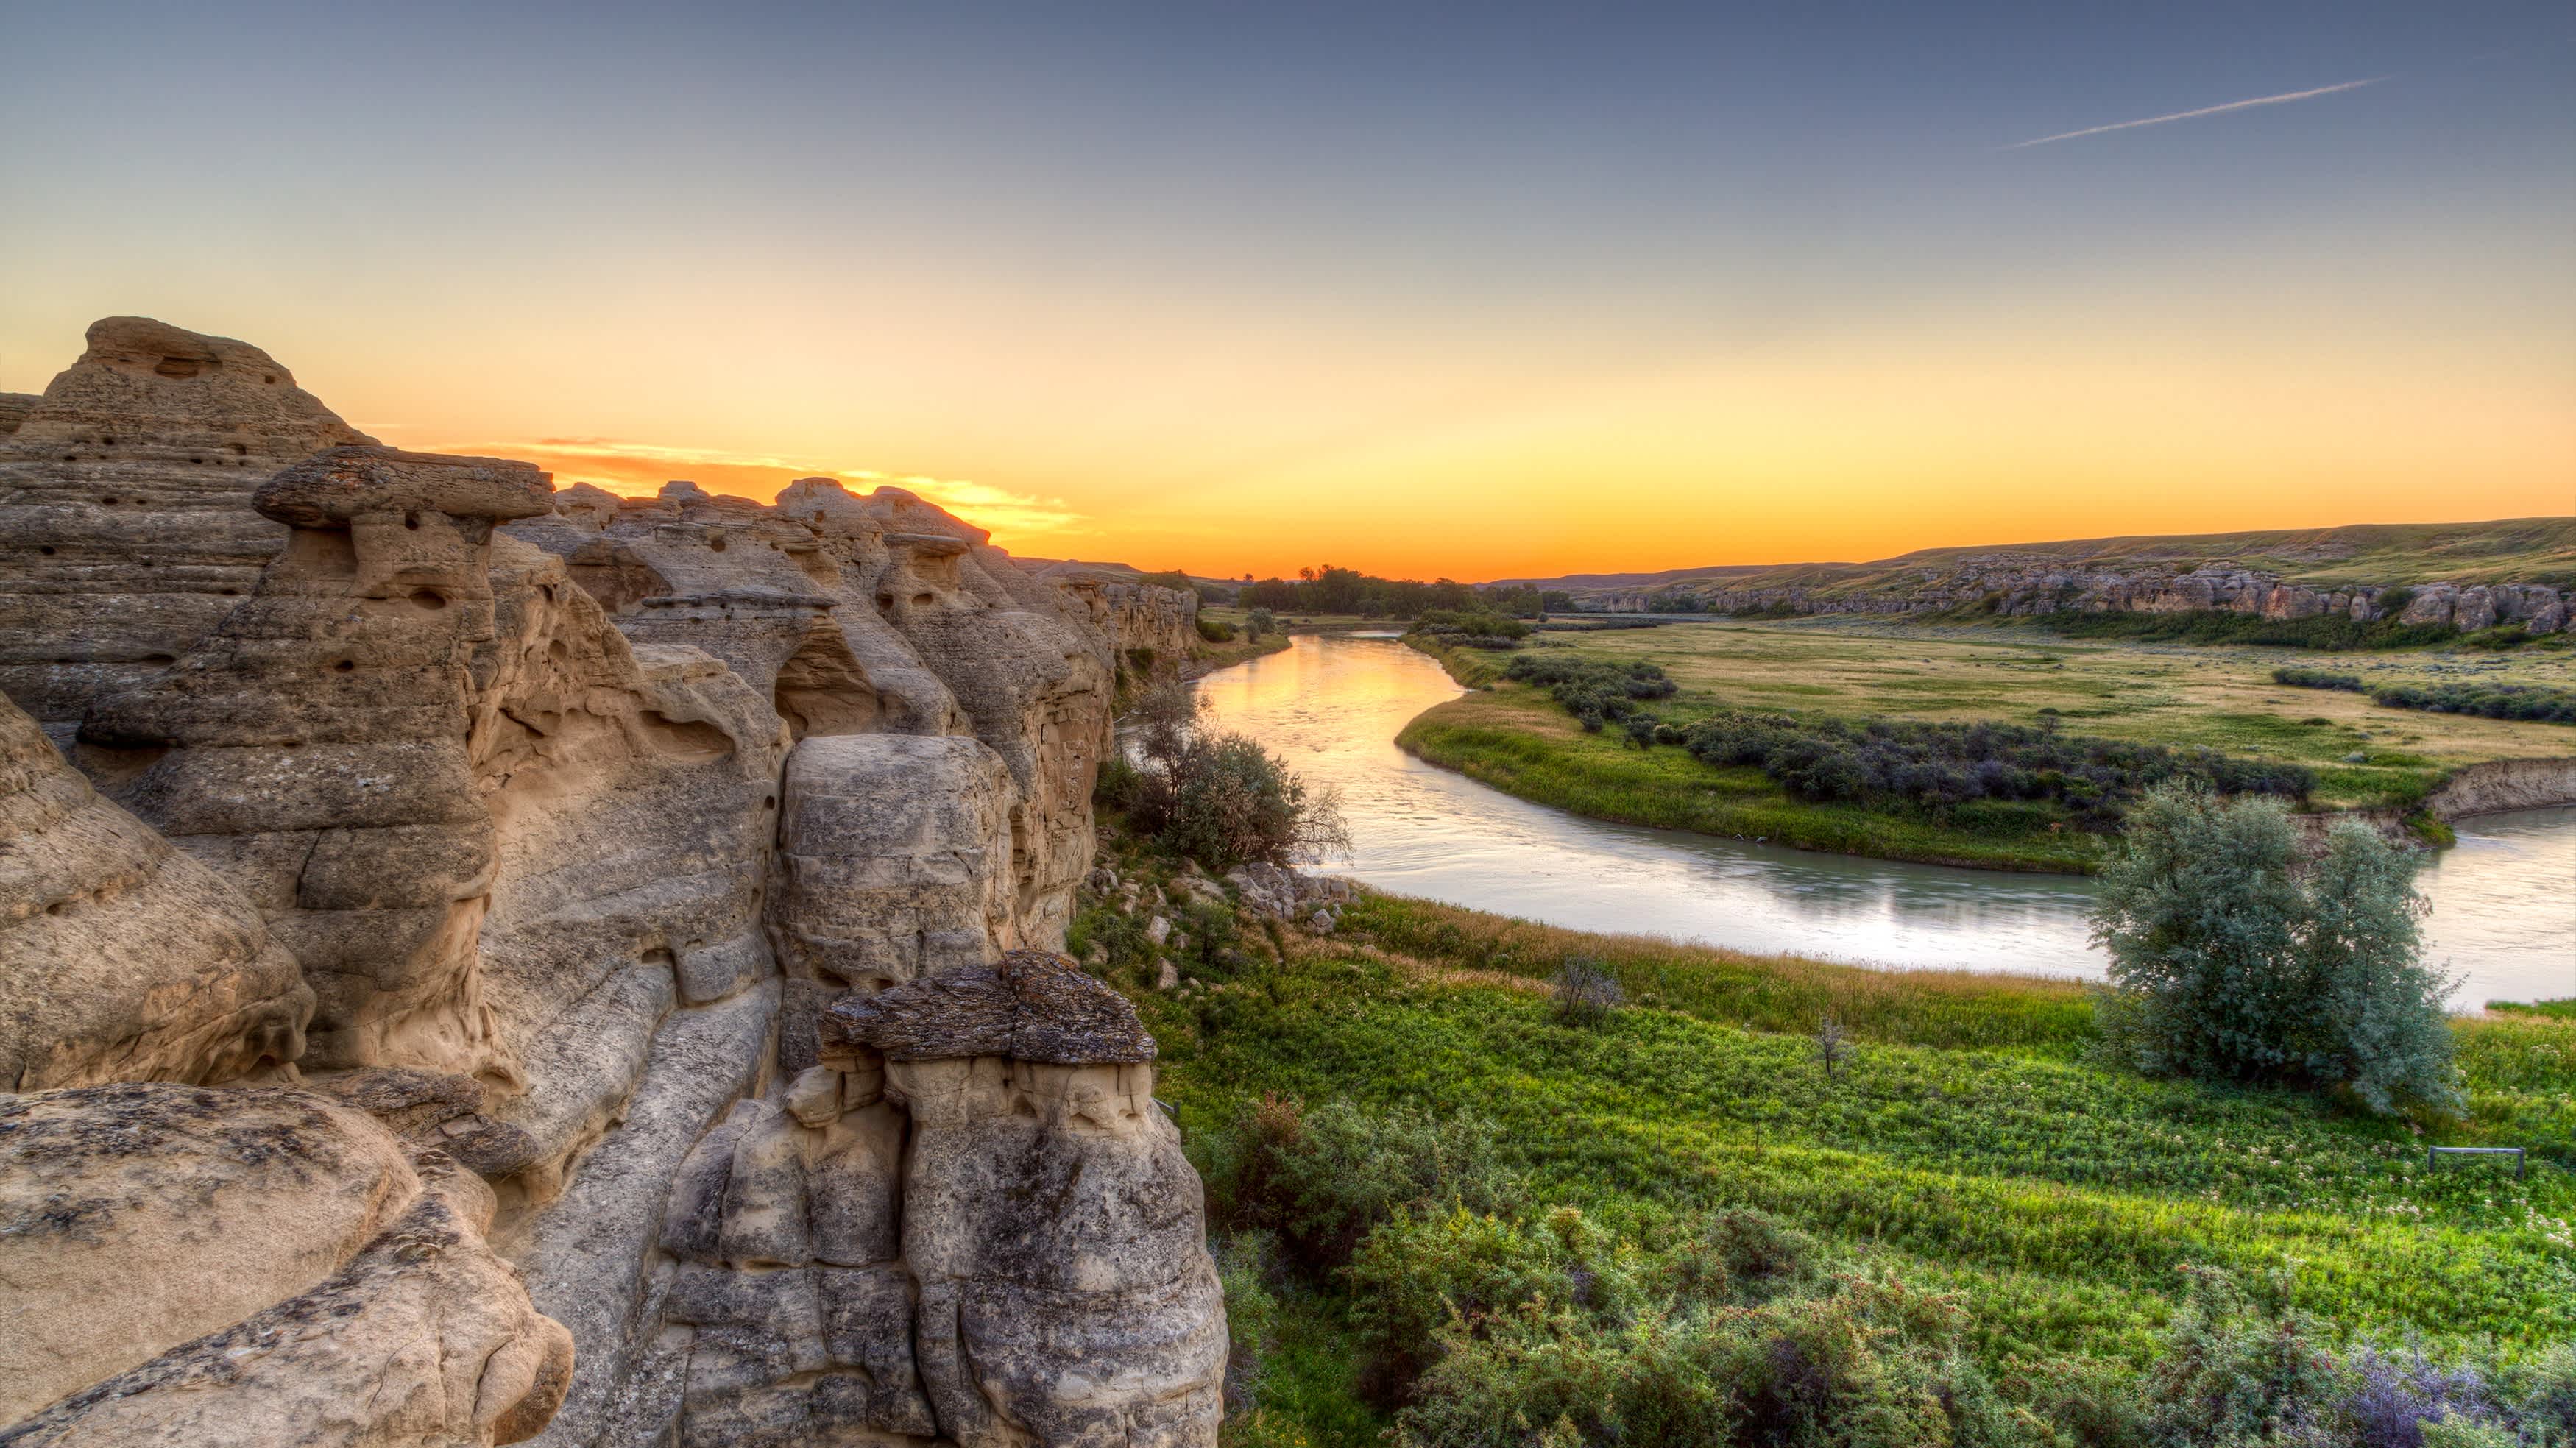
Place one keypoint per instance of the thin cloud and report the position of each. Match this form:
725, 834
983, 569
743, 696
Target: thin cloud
2279, 100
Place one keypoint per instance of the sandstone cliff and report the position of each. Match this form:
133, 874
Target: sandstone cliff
125, 526
533, 849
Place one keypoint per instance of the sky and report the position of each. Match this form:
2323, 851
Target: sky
1475, 291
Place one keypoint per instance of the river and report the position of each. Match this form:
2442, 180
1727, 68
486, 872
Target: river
2504, 900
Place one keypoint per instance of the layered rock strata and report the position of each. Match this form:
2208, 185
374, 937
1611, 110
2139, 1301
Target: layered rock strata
541, 835
125, 530
121, 958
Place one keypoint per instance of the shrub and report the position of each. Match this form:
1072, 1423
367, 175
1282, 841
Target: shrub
1215, 631
1220, 799
2226, 963
1585, 995
2317, 679
1592, 691
1258, 622
2332, 632
1475, 628
2501, 637
1323, 1179
1937, 765
2488, 701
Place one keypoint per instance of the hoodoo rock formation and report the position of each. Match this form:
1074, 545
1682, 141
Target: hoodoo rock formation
125, 526
535, 964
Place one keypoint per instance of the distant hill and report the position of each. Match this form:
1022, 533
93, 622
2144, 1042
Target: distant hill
2510, 550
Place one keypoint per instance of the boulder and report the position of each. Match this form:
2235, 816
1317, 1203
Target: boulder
122, 959
308, 1282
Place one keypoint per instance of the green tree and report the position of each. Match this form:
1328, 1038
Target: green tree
2229, 961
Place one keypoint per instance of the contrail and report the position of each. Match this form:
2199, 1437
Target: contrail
2323, 90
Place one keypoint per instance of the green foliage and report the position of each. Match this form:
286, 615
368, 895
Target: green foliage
2317, 679
2500, 638
2487, 701
2563, 1010
1472, 628
1590, 690
1220, 799
1325, 588
1585, 994
1944, 765
1323, 1179
2327, 632
1258, 622
1873, 1363
1215, 631
2226, 964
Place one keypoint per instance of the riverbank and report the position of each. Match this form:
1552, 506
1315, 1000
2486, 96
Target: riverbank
2409, 767
1965, 1143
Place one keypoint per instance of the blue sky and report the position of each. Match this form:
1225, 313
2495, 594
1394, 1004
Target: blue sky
1780, 272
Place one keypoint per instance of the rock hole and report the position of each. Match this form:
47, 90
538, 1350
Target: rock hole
716, 544
429, 598
71, 457
271, 380
158, 660
885, 600
345, 665
107, 502
923, 600
107, 442
770, 803
179, 367
241, 449
47, 550
200, 462
411, 521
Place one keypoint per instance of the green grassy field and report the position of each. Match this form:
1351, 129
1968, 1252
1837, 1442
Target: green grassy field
1970, 1145
2365, 756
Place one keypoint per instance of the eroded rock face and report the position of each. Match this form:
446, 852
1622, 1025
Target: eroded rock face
252, 1267
122, 959
895, 859
967, 1223
493, 784
125, 530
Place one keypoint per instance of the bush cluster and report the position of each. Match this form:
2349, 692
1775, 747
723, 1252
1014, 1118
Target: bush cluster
2327, 632
1875, 761
2486, 701
1473, 628
1215, 631
1220, 799
2231, 961
1592, 691
1488, 1319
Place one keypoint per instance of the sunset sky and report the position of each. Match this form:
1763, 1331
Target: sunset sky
1481, 291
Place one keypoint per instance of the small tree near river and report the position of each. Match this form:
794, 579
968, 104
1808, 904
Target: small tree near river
2232, 961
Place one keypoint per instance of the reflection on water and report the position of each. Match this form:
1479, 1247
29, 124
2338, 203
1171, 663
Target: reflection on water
2504, 901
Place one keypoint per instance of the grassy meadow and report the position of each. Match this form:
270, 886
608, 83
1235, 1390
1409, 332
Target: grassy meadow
2365, 756
1969, 1144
